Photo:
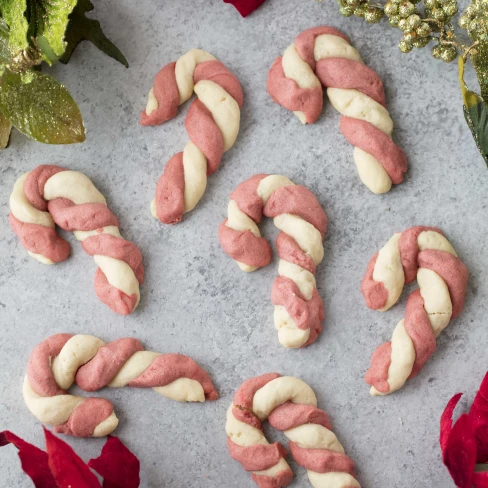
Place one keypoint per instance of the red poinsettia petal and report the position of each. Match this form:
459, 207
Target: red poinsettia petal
117, 465
446, 422
479, 417
245, 7
33, 460
68, 468
480, 480
460, 452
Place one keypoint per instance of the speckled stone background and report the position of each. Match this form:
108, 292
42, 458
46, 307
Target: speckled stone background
196, 301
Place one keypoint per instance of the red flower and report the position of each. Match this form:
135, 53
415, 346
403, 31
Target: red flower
33, 460
117, 465
466, 443
61, 467
245, 7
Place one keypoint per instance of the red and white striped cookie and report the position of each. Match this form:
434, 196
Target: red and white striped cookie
442, 277
51, 195
212, 124
290, 405
299, 311
324, 56
63, 359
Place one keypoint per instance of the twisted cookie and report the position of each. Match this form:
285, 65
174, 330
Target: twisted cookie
324, 56
299, 310
290, 405
442, 278
62, 359
212, 124
50, 194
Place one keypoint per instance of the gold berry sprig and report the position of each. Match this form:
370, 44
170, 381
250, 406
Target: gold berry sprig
425, 21
372, 13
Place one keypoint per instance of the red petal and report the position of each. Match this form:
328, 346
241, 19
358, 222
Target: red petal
245, 7
33, 460
68, 468
479, 417
117, 465
460, 452
480, 480
446, 422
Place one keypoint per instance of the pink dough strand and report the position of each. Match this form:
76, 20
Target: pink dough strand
39, 371
243, 397
168, 368
374, 292
452, 270
85, 418
307, 314
375, 142
165, 90
351, 75
88, 216
377, 375
117, 300
290, 251
291, 415
40, 240
257, 457
205, 134
287, 93
305, 41
409, 250
244, 246
217, 72
283, 478
108, 245
108, 361
300, 201
417, 325
170, 191
247, 417
247, 198
322, 460
34, 184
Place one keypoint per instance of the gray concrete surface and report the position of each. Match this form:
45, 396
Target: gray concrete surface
196, 301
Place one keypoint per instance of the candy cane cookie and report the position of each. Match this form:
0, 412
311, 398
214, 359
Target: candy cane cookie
290, 405
63, 359
324, 56
51, 195
212, 124
299, 310
442, 277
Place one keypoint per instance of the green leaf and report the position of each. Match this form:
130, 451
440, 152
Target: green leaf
5, 128
479, 57
12, 12
4, 50
49, 19
43, 20
81, 28
47, 51
477, 119
475, 113
42, 109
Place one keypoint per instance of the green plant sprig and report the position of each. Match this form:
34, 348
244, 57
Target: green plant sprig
33, 32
